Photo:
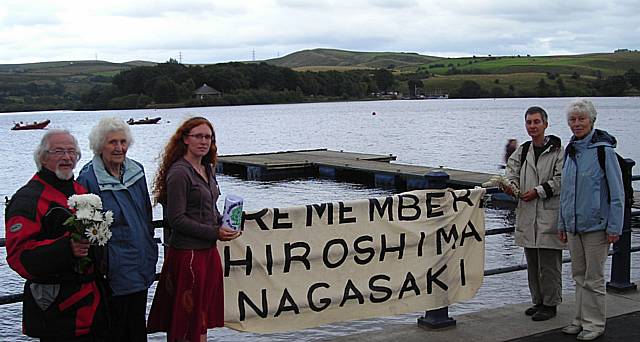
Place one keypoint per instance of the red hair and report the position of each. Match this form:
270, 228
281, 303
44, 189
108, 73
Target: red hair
175, 149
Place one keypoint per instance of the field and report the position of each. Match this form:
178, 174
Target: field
60, 85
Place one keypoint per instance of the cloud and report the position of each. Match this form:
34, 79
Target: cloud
215, 31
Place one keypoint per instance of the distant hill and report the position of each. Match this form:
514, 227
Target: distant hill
90, 67
60, 85
54, 85
341, 59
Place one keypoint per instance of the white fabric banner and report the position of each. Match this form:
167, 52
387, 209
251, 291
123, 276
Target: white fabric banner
303, 266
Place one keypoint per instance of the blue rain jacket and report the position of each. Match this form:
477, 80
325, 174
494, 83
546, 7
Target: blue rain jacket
585, 193
132, 252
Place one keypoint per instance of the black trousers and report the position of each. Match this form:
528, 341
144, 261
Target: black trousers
83, 338
128, 323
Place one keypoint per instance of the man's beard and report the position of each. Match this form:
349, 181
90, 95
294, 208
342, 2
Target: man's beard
64, 175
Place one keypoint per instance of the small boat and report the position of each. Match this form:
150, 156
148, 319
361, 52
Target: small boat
144, 121
20, 126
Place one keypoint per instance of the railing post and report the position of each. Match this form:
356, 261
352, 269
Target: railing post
621, 260
438, 318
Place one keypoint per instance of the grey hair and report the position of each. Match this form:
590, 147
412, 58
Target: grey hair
99, 133
582, 106
43, 148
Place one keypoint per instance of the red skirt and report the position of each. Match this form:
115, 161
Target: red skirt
189, 297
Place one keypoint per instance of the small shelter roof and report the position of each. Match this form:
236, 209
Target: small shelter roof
206, 90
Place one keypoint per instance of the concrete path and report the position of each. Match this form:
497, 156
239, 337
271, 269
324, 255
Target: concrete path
510, 323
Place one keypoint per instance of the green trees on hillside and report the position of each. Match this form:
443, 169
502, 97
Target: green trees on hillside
241, 83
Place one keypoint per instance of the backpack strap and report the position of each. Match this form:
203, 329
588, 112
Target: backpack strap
601, 159
525, 150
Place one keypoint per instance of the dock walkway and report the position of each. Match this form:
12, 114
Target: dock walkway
508, 323
373, 169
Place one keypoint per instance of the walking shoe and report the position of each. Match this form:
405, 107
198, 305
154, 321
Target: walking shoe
572, 329
532, 310
586, 335
544, 313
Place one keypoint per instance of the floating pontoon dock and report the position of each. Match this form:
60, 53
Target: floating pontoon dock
364, 168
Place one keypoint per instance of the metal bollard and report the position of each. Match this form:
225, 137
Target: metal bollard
438, 318
621, 260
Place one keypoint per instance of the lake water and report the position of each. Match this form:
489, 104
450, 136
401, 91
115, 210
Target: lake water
461, 134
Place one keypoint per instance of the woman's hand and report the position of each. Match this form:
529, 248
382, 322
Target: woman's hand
562, 236
80, 248
529, 195
227, 234
612, 238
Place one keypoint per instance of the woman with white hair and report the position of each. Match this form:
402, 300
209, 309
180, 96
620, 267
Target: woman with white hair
131, 253
591, 215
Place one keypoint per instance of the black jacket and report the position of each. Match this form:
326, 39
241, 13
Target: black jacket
58, 302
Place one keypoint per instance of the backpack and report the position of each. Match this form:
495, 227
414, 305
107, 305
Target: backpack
626, 175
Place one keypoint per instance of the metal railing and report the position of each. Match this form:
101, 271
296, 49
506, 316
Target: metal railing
439, 318
620, 263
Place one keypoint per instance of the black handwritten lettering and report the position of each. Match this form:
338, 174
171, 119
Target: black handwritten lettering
288, 258
408, 285
261, 312
286, 304
423, 235
320, 210
342, 211
384, 249
351, 292
413, 205
442, 234
433, 279
360, 250
374, 206
464, 198
472, 233
277, 216
326, 252
324, 301
257, 216
378, 288
431, 206
247, 262
269, 255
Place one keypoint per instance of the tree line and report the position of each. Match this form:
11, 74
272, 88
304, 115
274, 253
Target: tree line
241, 83
554, 85
172, 84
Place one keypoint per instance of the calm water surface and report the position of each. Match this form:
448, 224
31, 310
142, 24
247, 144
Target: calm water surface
462, 134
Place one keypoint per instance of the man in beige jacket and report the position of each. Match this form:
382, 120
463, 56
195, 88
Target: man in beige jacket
535, 169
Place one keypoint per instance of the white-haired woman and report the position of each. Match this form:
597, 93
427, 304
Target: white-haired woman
131, 253
591, 214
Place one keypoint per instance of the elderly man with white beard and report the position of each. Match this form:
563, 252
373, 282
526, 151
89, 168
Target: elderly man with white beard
60, 302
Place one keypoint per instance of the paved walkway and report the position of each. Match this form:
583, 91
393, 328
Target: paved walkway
509, 323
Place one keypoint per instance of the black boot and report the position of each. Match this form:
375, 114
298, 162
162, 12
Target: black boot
544, 313
532, 310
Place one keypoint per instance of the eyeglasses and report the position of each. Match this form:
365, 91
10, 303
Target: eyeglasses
61, 152
200, 136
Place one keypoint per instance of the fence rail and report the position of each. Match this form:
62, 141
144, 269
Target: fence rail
439, 318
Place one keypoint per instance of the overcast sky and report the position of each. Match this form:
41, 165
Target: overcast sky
212, 31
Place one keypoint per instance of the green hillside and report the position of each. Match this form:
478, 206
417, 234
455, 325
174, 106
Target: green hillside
308, 59
54, 85
61, 85
603, 64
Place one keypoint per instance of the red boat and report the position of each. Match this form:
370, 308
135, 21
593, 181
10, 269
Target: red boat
35, 125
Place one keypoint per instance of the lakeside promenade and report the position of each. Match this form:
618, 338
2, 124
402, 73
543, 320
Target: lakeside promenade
509, 323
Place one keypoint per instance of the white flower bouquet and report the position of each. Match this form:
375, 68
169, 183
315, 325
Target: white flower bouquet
504, 184
88, 222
